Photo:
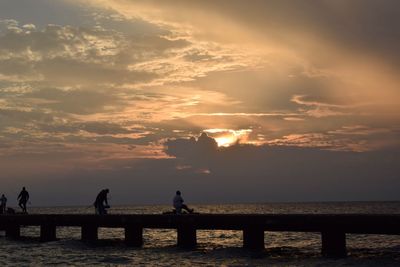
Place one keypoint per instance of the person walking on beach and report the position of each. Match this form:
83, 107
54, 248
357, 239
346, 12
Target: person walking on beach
3, 203
178, 204
23, 198
101, 202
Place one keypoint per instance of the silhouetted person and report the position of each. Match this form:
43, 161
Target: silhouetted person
101, 199
3, 203
23, 199
178, 204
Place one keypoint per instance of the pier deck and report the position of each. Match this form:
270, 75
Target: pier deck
333, 227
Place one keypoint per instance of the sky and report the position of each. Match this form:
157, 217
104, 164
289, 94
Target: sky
226, 100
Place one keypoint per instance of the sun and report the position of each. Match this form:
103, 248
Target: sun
225, 141
228, 137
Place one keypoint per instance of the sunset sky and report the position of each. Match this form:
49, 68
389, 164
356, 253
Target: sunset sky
297, 100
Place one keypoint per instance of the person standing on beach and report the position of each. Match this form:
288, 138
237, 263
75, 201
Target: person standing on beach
3, 203
101, 199
23, 198
178, 203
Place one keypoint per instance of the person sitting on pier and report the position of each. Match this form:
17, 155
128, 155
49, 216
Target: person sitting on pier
101, 199
3, 203
23, 199
178, 204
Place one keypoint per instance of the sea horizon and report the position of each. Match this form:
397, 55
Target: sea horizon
229, 203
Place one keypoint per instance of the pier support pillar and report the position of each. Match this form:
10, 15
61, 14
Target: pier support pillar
13, 231
89, 232
334, 244
253, 238
134, 235
187, 236
47, 232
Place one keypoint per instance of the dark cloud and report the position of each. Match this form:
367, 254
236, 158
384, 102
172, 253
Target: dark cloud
205, 173
294, 173
198, 152
241, 173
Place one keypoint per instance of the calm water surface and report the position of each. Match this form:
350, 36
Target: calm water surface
216, 248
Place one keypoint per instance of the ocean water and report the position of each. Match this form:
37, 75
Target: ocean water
215, 248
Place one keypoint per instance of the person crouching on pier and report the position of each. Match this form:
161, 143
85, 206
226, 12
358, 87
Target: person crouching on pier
23, 198
178, 204
101, 202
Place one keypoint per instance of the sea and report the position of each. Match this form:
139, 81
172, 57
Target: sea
215, 248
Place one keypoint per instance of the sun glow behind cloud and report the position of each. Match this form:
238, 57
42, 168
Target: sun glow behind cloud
228, 137
225, 141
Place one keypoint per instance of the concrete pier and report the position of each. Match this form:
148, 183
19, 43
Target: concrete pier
89, 232
134, 235
47, 232
333, 244
333, 227
187, 236
13, 231
253, 238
